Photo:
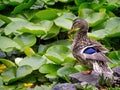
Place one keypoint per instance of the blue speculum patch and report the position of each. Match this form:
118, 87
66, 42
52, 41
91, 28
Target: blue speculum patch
90, 50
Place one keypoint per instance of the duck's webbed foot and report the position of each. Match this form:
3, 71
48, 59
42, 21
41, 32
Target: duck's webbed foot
87, 72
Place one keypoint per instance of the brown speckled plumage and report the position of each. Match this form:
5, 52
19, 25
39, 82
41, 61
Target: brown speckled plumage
81, 42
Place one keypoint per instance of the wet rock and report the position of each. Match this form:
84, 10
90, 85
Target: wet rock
89, 78
116, 71
66, 86
80, 79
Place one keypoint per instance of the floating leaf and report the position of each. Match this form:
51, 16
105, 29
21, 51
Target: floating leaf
81, 67
28, 51
50, 29
25, 40
63, 42
92, 17
13, 74
113, 24
24, 70
65, 71
48, 14
114, 56
111, 29
8, 44
99, 34
34, 61
7, 63
57, 53
23, 6
15, 25
9, 75
34, 29
5, 19
52, 32
50, 70
1, 22
65, 21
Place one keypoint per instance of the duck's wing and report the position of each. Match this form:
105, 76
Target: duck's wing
94, 52
99, 46
96, 57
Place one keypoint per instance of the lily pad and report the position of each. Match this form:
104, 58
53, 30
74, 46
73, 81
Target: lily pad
24, 70
15, 25
13, 74
9, 75
65, 20
8, 44
65, 71
7, 63
25, 40
111, 29
114, 56
52, 32
50, 70
5, 19
28, 51
58, 53
34, 61
33, 29
99, 34
50, 29
92, 17
1, 22
48, 14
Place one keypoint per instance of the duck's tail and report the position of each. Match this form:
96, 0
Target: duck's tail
102, 68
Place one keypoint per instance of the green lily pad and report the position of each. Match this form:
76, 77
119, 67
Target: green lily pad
48, 14
13, 74
50, 70
99, 34
28, 51
50, 29
115, 58
22, 6
25, 40
113, 24
93, 18
112, 29
34, 29
15, 25
52, 32
58, 53
65, 21
81, 67
23, 71
1, 22
65, 71
5, 19
114, 55
7, 63
9, 75
34, 61
8, 44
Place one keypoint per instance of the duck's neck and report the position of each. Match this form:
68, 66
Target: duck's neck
81, 35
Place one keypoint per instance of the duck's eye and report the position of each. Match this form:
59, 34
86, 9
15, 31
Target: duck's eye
90, 50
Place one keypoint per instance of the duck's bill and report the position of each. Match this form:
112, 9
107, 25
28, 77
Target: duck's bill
71, 30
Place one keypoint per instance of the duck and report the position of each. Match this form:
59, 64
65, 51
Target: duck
89, 52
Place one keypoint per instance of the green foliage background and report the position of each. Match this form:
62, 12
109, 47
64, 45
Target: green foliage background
35, 46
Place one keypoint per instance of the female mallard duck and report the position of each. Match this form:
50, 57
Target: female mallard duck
87, 51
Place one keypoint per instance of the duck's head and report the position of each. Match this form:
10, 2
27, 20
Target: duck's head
80, 24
